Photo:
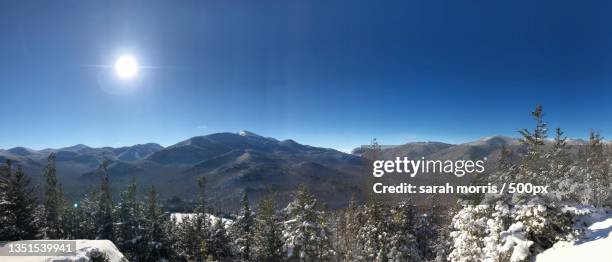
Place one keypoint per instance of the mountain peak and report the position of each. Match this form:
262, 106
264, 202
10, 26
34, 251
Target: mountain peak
75, 147
495, 141
22, 151
248, 133
149, 145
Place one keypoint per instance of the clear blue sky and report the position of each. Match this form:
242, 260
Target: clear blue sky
325, 73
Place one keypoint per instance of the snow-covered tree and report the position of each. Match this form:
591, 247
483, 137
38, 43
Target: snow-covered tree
54, 202
469, 230
5, 214
403, 244
543, 224
268, 238
219, 247
242, 231
157, 229
560, 166
104, 212
129, 222
373, 236
17, 206
560, 158
533, 169
193, 233
515, 247
347, 227
597, 173
305, 233
497, 221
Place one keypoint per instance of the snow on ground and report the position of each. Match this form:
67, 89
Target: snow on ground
595, 245
83, 248
213, 219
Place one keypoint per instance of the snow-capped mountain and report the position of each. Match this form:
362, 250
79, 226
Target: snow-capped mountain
237, 162
232, 163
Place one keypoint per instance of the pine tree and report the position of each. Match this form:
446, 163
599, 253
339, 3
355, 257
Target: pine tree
18, 206
469, 229
188, 239
72, 217
535, 140
194, 232
305, 231
404, 245
104, 212
129, 231
504, 160
5, 214
560, 164
202, 223
533, 168
243, 231
87, 210
560, 157
219, 246
498, 220
53, 202
598, 172
372, 153
268, 242
348, 228
374, 233
156, 227
505, 172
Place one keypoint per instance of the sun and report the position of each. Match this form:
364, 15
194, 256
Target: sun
126, 67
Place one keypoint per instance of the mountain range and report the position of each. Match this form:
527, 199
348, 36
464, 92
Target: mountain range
234, 163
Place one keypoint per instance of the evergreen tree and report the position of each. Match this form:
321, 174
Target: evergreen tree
194, 232
347, 230
104, 212
17, 208
504, 160
188, 239
498, 219
268, 239
371, 153
560, 157
5, 214
87, 210
505, 172
469, 229
157, 234
374, 232
219, 245
305, 233
72, 217
533, 166
404, 245
598, 172
560, 164
374, 149
535, 140
243, 231
53, 203
129, 231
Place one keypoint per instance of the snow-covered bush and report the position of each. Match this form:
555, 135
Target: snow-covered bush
514, 241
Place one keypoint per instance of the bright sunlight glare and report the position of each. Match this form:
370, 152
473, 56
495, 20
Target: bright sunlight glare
126, 67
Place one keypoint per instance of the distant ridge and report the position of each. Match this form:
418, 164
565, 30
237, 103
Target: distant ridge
234, 163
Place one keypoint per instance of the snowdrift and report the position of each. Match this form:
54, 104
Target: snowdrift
595, 245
